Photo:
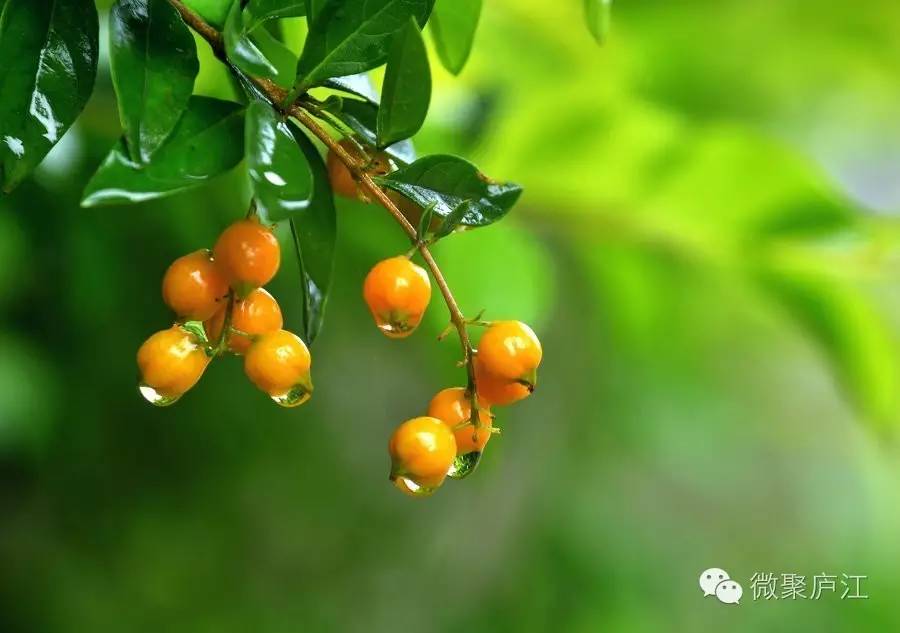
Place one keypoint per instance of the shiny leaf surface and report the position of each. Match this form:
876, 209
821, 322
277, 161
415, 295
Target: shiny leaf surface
361, 117
48, 50
406, 92
206, 142
359, 85
279, 172
254, 50
351, 36
153, 60
453, 27
259, 11
461, 194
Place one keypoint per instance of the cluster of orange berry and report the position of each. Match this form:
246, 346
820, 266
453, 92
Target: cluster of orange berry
449, 440
221, 307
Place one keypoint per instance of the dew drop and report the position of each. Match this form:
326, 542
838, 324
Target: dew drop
411, 488
464, 465
293, 398
155, 398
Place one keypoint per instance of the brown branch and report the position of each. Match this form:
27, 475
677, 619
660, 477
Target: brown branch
277, 96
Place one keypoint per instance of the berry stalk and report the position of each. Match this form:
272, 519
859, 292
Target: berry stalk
277, 97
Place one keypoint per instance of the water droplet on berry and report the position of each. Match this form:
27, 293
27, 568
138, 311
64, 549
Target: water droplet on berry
155, 398
293, 398
464, 465
411, 488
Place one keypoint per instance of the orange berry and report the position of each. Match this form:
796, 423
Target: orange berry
453, 407
422, 451
411, 211
248, 255
278, 363
193, 287
497, 391
376, 163
510, 350
397, 293
170, 363
255, 314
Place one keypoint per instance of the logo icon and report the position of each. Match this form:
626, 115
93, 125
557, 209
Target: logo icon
716, 582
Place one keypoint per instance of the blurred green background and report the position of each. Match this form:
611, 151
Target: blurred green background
707, 247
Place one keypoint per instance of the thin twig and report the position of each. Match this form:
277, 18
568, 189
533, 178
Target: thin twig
276, 97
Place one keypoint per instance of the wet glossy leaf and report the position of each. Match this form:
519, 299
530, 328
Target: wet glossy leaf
258, 12
406, 92
314, 231
449, 182
597, 16
359, 85
153, 60
279, 171
351, 36
251, 47
453, 27
208, 140
361, 117
48, 52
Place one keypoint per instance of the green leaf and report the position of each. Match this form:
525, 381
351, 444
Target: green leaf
207, 141
361, 117
453, 27
250, 47
279, 171
351, 36
423, 229
406, 92
312, 9
153, 60
258, 12
314, 232
359, 85
597, 16
48, 50
213, 11
449, 182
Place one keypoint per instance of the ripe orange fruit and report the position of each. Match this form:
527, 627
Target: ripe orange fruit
452, 406
255, 314
376, 163
170, 363
248, 255
497, 391
193, 287
278, 363
397, 293
422, 451
510, 350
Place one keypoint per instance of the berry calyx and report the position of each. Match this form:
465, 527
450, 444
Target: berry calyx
454, 408
193, 287
493, 390
397, 293
378, 163
511, 351
422, 451
255, 314
278, 363
248, 255
170, 363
